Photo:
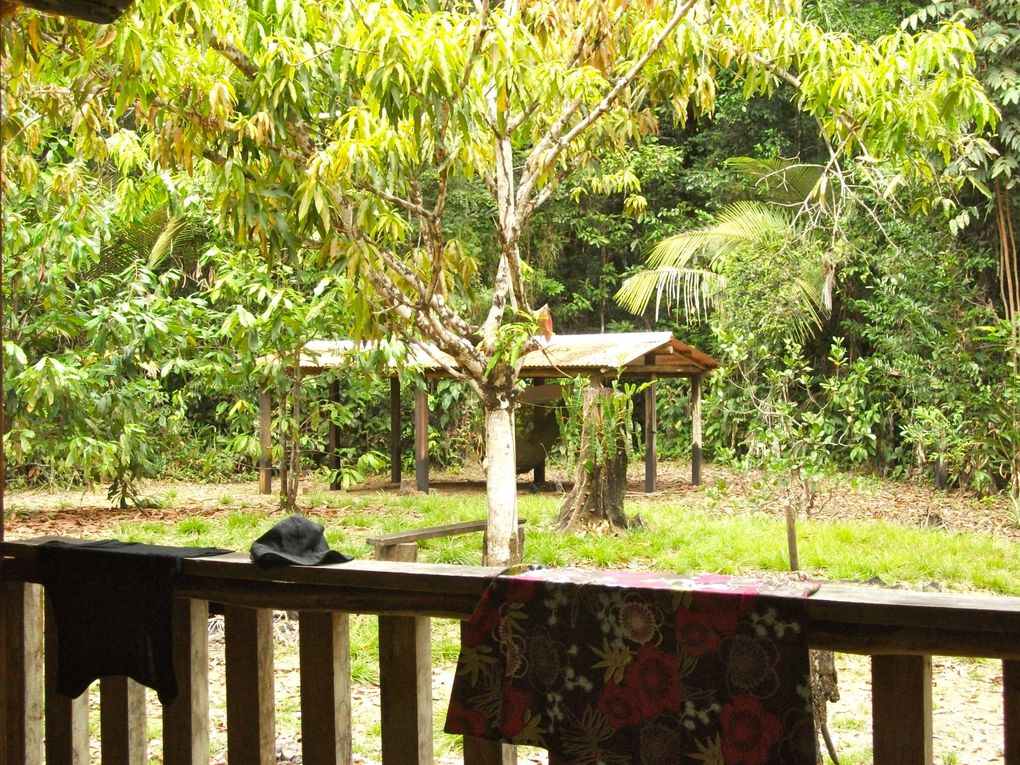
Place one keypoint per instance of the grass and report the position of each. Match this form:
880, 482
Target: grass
674, 538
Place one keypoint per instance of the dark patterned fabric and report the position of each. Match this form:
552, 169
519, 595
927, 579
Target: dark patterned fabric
628, 668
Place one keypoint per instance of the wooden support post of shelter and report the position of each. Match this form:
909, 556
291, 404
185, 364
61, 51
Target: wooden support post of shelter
334, 438
395, 428
265, 443
421, 437
696, 430
651, 425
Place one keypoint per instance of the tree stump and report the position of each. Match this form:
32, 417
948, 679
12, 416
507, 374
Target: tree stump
600, 477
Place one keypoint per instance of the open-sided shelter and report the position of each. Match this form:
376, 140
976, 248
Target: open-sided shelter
641, 356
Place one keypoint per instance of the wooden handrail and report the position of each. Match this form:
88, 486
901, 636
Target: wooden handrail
904, 627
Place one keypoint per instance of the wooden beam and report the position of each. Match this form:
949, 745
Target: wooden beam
901, 710
1011, 710
265, 443
21, 673
67, 720
334, 438
122, 735
248, 637
651, 426
186, 718
696, 430
325, 655
421, 437
405, 680
395, 431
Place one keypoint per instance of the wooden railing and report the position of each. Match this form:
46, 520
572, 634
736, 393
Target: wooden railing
899, 629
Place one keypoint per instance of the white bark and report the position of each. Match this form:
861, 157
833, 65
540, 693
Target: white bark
501, 547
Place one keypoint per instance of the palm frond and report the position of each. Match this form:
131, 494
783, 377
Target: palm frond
696, 290
784, 182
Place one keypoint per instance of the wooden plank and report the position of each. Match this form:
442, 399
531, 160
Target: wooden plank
405, 680
122, 734
67, 720
395, 431
265, 443
651, 426
421, 438
334, 438
901, 710
432, 532
248, 638
186, 718
325, 654
1011, 711
696, 430
21, 673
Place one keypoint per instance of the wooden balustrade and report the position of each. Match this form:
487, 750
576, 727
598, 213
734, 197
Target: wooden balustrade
899, 629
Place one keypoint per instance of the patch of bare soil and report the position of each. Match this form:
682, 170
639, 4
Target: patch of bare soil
967, 693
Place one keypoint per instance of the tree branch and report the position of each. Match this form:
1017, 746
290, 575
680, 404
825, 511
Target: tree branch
553, 143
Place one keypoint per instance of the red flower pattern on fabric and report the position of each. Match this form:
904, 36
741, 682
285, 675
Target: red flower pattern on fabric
471, 721
483, 621
748, 731
723, 610
620, 706
516, 703
695, 632
655, 676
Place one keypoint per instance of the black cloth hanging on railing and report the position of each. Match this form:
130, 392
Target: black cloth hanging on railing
113, 604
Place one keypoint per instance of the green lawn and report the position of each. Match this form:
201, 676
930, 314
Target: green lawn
673, 538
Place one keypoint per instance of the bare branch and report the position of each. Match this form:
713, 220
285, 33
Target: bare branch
406, 204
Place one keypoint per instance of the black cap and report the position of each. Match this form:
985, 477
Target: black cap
294, 541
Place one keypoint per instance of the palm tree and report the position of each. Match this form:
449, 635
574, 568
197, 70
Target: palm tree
692, 269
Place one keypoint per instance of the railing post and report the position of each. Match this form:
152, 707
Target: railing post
122, 733
186, 718
1011, 710
481, 751
901, 710
21, 673
405, 679
251, 732
325, 652
67, 720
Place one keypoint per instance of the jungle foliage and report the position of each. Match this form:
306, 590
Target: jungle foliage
165, 258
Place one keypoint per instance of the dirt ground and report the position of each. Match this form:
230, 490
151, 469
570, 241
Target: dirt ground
967, 693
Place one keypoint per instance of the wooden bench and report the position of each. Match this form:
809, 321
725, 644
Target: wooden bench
403, 545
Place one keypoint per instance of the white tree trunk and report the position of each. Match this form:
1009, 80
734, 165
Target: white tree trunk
501, 546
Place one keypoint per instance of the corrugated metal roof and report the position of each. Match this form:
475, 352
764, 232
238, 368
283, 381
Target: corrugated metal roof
633, 352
